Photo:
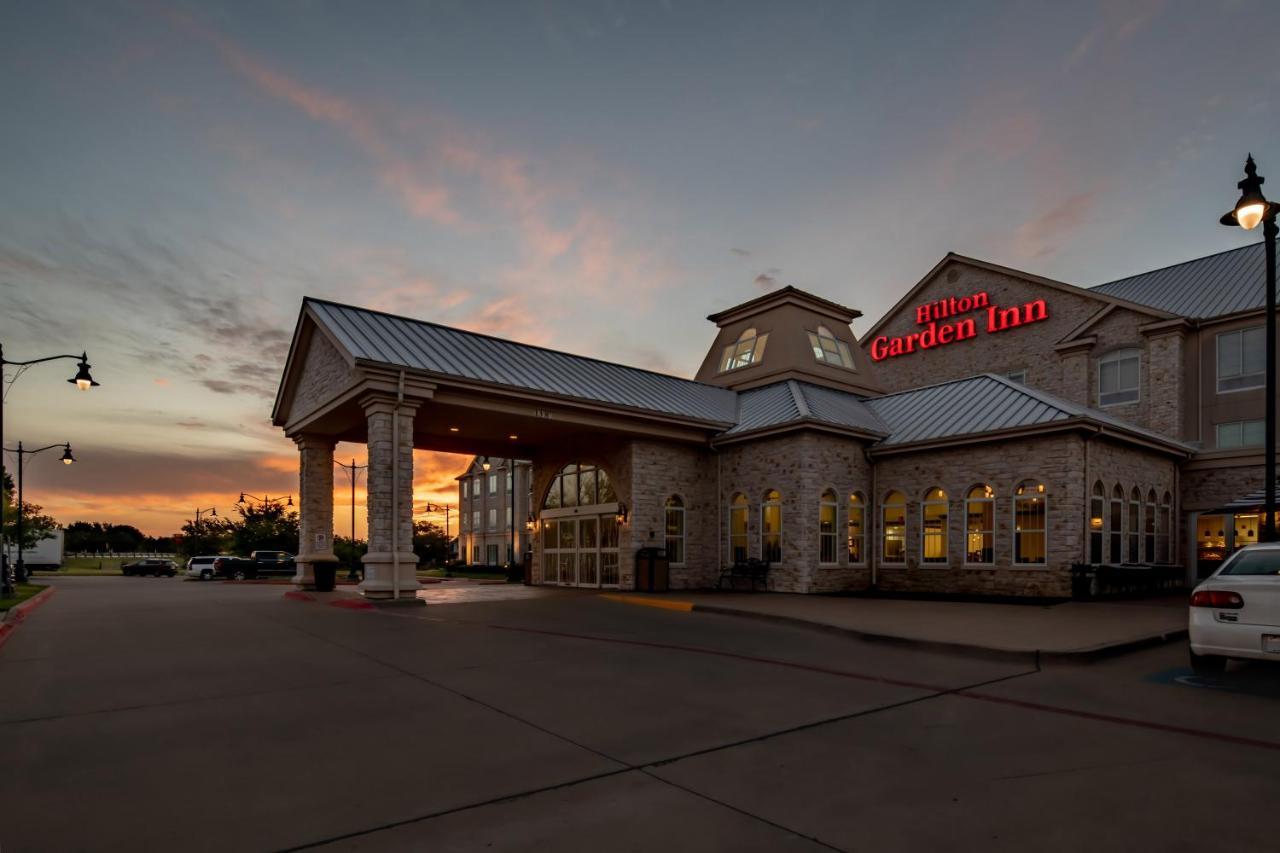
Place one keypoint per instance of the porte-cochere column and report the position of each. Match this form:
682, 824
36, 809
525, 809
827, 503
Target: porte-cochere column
315, 498
390, 566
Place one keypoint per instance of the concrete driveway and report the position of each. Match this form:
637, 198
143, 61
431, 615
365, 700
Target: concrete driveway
166, 715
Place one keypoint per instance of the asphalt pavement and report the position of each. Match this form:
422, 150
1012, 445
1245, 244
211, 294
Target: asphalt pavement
159, 714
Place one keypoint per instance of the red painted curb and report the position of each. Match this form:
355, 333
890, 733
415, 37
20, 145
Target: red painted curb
353, 604
18, 613
298, 595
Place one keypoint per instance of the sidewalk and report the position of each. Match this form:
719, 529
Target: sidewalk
1076, 630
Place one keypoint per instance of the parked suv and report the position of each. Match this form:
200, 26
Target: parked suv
258, 564
202, 567
156, 567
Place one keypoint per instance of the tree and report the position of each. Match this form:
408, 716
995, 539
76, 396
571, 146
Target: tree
36, 526
349, 551
206, 536
430, 543
265, 527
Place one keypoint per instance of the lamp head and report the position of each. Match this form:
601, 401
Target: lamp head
290, 501
486, 464
83, 380
67, 458
1252, 206
241, 498
214, 512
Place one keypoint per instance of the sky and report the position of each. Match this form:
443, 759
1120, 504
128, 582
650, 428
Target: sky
595, 177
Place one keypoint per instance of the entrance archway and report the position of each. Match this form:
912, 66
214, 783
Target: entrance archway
579, 520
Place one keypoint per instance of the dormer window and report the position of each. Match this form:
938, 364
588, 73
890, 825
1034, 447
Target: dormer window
828, 349
747, 350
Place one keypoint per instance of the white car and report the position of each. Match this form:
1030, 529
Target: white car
1235, 612
202, 568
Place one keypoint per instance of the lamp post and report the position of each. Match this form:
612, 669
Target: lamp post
246, 498
20, 572
1251, 210
82, 380
212, 511
353, 474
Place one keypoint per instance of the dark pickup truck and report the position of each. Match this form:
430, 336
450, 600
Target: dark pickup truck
257, 565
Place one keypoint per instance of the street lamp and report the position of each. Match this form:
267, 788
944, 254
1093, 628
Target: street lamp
353, 474
20, 572
1252, 209
246, 498
82, 380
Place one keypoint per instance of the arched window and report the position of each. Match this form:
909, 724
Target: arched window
1164, 535
1116, 528
675, 530
933, 526
830, 349
1149, 527
1135, 513
893, 528
771, 527
980, 526
1030, 523
748, 349
827, 528
857, 530
738, 528
580, 484
1097, 511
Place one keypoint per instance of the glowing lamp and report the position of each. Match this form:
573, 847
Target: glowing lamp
1253, 206
83, 380
67, 458
1248, 216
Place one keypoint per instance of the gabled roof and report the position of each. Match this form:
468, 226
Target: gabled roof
1226, 283
983, 404
793, 403
387, 339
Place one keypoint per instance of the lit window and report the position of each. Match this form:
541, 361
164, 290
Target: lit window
493, 518
826, 347
493, 484
1118, 377
1096, 512
675, 530
510, 478
1030, 514
1116, 527
933, 527
466, 490
1242, 359
1162, 534
827, 528
748, 349
857, 530
580, 485
893, 528
771, 527
980, 520
738, 528
1240, 434
475, 519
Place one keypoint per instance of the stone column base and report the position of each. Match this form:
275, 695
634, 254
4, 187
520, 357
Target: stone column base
378, 571
304, 568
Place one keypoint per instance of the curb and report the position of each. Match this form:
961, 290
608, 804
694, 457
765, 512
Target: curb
1031, 656
18, 613
351, 603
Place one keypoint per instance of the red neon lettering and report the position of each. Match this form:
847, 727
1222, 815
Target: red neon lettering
936, 334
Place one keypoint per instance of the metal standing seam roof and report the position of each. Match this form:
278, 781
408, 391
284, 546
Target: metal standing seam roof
979, 404
404, 342
794, 402
1225, 283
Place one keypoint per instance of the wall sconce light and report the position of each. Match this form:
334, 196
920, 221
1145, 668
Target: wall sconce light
529, 523
622, 513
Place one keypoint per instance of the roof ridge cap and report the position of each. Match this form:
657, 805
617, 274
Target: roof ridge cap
797, 397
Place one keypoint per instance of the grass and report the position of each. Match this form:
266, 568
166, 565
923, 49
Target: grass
22, 593
460, 573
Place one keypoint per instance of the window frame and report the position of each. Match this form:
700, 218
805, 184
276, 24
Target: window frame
988, 497
1115, 526
1116, 357
1042, 495
925, 505
772, 500
1098, 532
885, 505
675, 504
837, 354
1149, 527
1261, 377
1134, 526
858, 502
747, 349
1165, 540
740, 503
827, 538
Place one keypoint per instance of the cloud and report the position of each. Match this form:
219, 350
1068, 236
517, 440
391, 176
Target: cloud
768, 280
742, 253
1034, 236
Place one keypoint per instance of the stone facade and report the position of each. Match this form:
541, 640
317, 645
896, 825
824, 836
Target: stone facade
324, 374
390, 500
315, 501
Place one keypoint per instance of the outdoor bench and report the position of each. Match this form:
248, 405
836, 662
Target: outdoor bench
752, 569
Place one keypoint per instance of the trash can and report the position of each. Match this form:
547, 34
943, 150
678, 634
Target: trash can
653, 570
326, 576
527, 560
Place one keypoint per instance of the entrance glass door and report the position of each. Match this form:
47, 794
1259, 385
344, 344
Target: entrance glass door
580, 551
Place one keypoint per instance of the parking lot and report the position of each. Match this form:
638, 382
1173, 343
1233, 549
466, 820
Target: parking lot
147, 713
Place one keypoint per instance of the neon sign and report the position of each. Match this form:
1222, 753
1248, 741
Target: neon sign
941, 329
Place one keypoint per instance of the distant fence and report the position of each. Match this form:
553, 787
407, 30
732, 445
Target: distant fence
112, 555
